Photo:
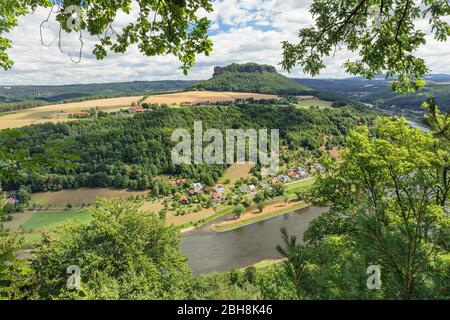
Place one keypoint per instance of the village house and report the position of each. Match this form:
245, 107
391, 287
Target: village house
216, 197
293, 175
283, 178
319, 168
243, 189
197, 186
184, 200
178, 182
252, 188
219, 189
11, 200
298, 173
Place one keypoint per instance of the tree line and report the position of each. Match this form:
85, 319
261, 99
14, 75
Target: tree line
129, 152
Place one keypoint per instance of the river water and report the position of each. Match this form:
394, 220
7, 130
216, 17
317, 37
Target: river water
418, 126
210, 251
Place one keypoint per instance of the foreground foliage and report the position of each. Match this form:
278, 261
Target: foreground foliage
162, 27
389, 208
122, 254
384, 34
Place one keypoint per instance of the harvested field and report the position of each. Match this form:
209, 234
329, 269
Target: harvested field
76, 198
195, 97
51, 113
237, 171
59, 112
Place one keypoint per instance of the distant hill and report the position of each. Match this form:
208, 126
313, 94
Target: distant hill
251, 77
378, 92
50, 94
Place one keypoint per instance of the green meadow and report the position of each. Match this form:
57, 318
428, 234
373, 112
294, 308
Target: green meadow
49, 221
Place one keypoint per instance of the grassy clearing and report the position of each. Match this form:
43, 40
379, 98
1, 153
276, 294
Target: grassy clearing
237, 171
163, 178
265, 264
50, 220
313, 102
152, 206
18, 220
189, 218
219, 212
305, 184
258, 218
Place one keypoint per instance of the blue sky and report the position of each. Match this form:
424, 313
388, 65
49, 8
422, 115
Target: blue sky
242, 31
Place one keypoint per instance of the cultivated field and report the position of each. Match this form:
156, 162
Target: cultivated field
76, 198
59, 112
237, 171
51, 113
49, 220
204, 97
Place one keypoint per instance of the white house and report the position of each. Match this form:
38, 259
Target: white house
197, 185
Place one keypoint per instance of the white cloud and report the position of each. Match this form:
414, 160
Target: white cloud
242, 31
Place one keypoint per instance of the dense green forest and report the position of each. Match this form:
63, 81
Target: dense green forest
387, 212
127, 152
251, 78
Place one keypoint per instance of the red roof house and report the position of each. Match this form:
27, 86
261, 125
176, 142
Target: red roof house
184, 200
216, 197
178, 182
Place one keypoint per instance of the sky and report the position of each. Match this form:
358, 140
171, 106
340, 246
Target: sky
242, 31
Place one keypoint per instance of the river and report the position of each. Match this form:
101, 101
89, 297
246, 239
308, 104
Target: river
418, 126
210, 251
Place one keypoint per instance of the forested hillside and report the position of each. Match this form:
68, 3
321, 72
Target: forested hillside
127, 152
251, 77
378, 92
